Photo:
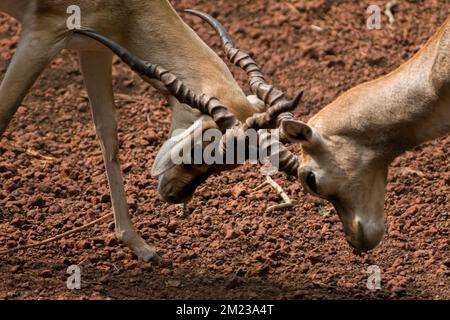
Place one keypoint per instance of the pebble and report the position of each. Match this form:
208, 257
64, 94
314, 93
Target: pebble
239, 191
315, 258
84, 244
46, 274
231, 234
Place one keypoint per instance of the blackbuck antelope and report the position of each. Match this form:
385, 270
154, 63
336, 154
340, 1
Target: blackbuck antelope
199, 86
348, 146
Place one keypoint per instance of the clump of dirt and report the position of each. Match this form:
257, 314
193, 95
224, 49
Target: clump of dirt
227, 247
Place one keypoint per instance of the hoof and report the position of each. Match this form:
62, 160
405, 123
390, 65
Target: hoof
140, 248
148, 254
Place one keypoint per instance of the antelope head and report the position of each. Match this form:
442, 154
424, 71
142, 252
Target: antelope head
177, 182
348, 145
337, 167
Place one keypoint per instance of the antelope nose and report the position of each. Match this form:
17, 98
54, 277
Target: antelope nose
171, 198
366, 236
167, 192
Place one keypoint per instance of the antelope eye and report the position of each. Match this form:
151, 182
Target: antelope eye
311, 181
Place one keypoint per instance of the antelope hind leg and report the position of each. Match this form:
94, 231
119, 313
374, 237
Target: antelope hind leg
96, 68
35, 51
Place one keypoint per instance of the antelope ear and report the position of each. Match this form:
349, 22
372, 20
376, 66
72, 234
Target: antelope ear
163, 161
180, 141
298, 131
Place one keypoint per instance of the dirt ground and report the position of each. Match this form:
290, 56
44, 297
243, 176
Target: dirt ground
227, 247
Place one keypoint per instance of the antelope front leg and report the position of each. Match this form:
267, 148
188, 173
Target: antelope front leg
96, 68
35, 51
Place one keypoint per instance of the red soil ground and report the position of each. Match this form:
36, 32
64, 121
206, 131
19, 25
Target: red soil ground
296, 254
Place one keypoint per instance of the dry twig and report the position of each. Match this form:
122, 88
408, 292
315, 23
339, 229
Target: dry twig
32, 153
288, 203
53, 239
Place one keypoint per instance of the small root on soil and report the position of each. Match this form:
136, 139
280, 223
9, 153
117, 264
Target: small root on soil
287, 202
58, 237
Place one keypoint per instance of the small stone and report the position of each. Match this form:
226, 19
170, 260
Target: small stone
225, 193
98, 242
83, 107
67, 244
315, 258
111, 241
36, 201
105, 198
96, 296
304, 268
152, 137
127, 167
410, 211
11, 294
239, 191
230, 232
11, 244
246, 229
261, 231
447, 263
421, 253
130, 264
173, 225
18, 222
46, 274
15, 269
84, 244
54, 209
206, 195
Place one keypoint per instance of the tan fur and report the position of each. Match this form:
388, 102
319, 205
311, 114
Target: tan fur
153, 31
362, 131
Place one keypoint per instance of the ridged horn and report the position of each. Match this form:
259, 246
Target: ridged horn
274, 98
204, 103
